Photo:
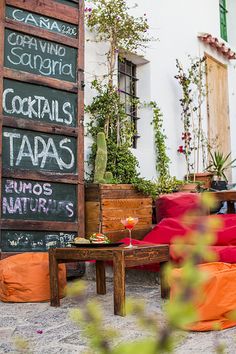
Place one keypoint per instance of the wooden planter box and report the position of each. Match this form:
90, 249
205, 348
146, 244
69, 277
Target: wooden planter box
106, 204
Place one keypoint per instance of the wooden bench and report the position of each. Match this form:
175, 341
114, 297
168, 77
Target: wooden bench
226, 196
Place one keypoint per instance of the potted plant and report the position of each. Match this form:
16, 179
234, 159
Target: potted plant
219, 164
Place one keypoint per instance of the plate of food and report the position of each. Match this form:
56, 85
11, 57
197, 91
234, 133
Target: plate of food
96, 240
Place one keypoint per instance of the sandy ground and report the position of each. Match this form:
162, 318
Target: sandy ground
50, 330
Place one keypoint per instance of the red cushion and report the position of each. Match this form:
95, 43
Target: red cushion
176, 204
225, 244
168, 229
225, 254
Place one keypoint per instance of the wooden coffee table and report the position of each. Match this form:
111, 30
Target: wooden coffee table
122, 258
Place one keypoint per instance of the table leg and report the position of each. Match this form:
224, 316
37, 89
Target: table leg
53, 271
230, 207
100, 277
119, 282
165, 290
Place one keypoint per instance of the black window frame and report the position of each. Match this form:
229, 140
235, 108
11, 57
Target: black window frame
127, 69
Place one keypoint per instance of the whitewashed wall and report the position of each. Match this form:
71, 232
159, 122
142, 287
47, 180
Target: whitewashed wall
176, 24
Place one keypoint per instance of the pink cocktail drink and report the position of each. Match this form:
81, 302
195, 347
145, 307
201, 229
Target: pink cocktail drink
129, 224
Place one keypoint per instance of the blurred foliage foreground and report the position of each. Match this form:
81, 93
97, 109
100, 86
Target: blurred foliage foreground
179, 312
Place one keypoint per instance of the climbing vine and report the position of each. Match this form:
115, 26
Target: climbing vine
162, 160
193, 92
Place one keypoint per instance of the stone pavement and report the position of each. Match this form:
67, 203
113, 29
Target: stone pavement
50, 331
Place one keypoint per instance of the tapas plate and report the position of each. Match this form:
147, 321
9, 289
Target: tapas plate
96, 245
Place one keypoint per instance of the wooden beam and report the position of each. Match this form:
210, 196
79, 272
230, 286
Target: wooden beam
48, 8
39, 32
39, 127
40, 80
38, 225
41, 176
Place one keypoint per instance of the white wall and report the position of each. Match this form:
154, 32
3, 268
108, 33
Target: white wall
176, 24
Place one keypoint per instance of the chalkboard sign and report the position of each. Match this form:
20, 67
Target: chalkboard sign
42, 131
35, 200
43, 22
25, 241
39, 56
39, 103
27, 150
69, 2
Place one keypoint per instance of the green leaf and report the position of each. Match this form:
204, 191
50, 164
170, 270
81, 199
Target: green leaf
147, 346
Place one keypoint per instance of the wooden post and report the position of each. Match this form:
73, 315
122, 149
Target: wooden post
2, 16
80, 140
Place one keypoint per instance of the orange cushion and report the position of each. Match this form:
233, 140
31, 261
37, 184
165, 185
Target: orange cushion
219, 296
25, 278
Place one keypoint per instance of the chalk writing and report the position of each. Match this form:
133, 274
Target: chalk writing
39, 103
23, 241
29, 150
30, 200
47, 23
38, 56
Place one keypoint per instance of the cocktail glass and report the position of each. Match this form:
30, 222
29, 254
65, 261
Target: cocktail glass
129, 224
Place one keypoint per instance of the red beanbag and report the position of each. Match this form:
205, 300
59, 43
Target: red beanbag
176, 204
25, 278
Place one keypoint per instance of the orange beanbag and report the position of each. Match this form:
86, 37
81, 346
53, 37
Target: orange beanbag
219, 297
25, 278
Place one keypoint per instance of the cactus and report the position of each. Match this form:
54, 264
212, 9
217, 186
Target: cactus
101, 159
108, 177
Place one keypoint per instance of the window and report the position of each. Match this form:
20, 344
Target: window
127, 81
223, 20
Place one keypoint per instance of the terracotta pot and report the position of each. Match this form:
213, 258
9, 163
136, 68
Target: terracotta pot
204, 177
189, 187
